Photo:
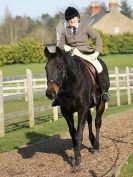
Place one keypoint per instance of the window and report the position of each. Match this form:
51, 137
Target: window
116, 29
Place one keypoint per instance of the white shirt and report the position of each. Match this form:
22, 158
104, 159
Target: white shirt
75, 26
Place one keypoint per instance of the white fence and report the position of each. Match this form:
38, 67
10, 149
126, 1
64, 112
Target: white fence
27, 86
120, 81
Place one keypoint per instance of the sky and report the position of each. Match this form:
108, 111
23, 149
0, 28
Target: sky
35, 8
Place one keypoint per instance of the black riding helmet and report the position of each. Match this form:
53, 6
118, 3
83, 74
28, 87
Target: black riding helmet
71, 12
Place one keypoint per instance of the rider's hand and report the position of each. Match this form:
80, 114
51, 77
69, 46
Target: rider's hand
67, 48
94, 55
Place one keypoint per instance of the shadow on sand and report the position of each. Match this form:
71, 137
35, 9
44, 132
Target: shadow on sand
49, 144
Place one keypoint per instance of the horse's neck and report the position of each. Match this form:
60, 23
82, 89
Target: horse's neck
70, 64
71, 68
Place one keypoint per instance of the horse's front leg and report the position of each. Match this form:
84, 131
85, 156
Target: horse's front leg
79, 136
98, 121
70, 121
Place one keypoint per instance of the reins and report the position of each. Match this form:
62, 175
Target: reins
67, 89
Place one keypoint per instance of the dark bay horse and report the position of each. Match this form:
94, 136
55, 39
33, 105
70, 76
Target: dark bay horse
69, 81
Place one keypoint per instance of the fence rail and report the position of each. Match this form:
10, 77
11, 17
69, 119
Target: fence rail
28, 86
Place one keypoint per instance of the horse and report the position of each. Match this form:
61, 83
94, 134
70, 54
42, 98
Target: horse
71, 82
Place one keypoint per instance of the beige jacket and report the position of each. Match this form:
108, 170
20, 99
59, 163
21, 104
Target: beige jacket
80, 39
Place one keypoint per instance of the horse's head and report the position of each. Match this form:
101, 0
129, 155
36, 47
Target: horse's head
55, 72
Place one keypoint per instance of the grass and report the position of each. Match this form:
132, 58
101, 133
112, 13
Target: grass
14, 112
20, 69
127, 169
115, 110
121, 61
23, 135
20, 104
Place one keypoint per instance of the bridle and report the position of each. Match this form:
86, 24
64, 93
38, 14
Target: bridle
60, 82
67, 89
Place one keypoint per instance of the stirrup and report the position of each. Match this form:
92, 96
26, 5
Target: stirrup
105, 97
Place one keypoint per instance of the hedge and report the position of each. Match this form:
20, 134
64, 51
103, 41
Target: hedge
7, 54
122, 44
26, 51
29, 50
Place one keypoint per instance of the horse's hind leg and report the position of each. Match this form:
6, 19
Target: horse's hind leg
98, 121
91, 135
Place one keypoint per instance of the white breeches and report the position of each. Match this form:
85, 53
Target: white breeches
94, 62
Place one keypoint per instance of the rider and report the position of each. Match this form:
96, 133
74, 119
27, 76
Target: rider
74, 39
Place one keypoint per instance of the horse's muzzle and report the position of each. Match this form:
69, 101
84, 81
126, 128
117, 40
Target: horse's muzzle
52, 90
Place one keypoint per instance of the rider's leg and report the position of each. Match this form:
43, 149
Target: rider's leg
102, 71
104, 85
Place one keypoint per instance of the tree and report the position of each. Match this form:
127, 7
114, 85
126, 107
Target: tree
126, 9
7, 30
21, 26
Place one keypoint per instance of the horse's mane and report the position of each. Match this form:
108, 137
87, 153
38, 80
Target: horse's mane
74, 61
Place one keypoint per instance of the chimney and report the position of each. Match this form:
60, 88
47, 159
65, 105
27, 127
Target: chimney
113, 6
95, 8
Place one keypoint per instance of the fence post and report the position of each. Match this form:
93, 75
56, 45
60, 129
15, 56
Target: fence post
117, 86
2, 129
55, 113
30, 98
128, 86
106, 105
25, 90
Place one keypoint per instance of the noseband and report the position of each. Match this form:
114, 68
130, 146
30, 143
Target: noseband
59, 82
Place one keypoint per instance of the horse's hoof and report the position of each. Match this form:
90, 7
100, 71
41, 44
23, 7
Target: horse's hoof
73, 160
95, 151
76, 168
76, 164
76, 160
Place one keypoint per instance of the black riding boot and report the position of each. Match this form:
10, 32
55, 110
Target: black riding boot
55, 102
104, 86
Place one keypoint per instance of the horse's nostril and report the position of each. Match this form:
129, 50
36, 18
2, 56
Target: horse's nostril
52, 90
50, 95
53, 95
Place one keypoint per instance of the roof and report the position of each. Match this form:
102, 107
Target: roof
94, 18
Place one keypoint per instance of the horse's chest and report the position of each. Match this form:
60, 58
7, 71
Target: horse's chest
68, 102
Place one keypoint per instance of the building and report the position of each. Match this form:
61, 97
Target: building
109, 22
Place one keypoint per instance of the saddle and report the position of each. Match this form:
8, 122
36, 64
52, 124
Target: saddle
93, 73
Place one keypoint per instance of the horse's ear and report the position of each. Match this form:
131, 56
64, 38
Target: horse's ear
46, 51
58, 51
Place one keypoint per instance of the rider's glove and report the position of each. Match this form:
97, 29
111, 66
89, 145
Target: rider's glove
94, 55
67, 48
